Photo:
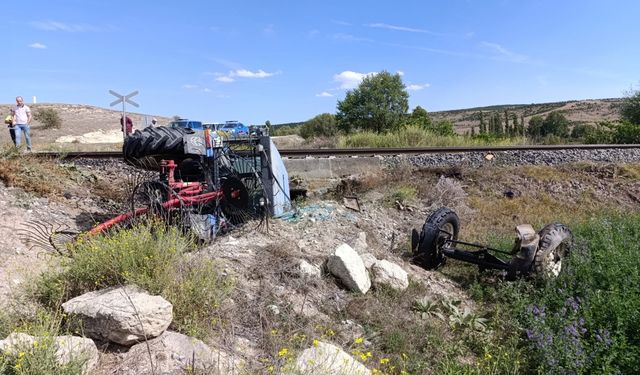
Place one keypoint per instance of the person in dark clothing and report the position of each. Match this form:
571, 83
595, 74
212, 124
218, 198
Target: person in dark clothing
12, 131
129, 126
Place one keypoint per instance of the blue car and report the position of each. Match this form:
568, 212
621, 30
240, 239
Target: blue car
235, 129
187, 124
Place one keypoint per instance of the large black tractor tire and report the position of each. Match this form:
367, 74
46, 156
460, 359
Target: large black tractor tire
554, 246
156, 143
440, 226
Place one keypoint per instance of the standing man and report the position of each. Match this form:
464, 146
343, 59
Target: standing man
154, 123
21, 121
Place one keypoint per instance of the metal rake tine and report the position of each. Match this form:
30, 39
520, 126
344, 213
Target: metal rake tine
37, 234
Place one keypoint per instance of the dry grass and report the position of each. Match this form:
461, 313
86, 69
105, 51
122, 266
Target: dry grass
42, 177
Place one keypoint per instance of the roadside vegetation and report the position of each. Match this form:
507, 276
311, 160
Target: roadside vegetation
376, 114
582, 322
585, 321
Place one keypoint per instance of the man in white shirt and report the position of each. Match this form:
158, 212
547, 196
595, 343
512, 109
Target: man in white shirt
21, 121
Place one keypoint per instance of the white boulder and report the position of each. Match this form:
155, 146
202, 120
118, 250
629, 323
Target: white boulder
389, 274
68, 348
124, 315
346, 265
325, 358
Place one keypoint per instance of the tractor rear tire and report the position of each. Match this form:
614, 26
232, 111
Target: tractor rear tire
440, 226
156, 142
555, 243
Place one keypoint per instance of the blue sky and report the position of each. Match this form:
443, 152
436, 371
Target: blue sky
287, 61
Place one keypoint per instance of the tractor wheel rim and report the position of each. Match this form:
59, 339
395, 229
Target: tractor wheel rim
446, 233
553, 262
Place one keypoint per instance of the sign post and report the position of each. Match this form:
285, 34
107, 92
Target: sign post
124, 99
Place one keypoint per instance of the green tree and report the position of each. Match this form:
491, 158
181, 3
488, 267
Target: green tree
380, 103
420, 117
323, 125
627, 132
535, 126
630, 110
555, 124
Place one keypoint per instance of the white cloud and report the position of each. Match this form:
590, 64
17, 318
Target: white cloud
397, 28
242, 73
66, 27
380, 25
502, 53
417, 87
249, 74
206, 89
350, 38
400, 73
350, 80
189, 86
37, 45
324, 94
341, 23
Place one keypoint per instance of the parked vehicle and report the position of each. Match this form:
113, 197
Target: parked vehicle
235, 129
186, 124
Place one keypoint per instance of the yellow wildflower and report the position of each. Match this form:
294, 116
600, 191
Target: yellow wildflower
316, 342
384, 360
359, 340
283, 352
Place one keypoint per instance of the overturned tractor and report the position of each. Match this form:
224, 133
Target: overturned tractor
534, 253
206, 183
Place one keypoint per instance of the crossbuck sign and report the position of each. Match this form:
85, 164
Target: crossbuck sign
124, 99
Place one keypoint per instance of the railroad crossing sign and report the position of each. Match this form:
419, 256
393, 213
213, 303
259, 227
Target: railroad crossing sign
124, 99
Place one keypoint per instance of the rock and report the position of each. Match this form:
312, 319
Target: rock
390, 274
68, 348
273, 309
124, 315
361, 243
369, 260
307, 269
173, 353
347, 265
325, 358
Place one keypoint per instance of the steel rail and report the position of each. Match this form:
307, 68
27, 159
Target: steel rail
365, 151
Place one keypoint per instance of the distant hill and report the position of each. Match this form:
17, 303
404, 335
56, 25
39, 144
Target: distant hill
588, 111
78, 119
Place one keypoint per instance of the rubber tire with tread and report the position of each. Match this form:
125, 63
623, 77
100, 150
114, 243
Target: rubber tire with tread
429, 253
552, 236
158, 142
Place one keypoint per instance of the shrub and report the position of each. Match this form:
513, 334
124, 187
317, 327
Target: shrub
149, 255
585, 321
284, 130
323, 125
48, 117
40, 357
403, 194
414, 136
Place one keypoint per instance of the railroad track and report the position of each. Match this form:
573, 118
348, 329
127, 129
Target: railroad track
346, 152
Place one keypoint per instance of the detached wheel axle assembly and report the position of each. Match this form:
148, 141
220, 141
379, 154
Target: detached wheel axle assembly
540, 254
